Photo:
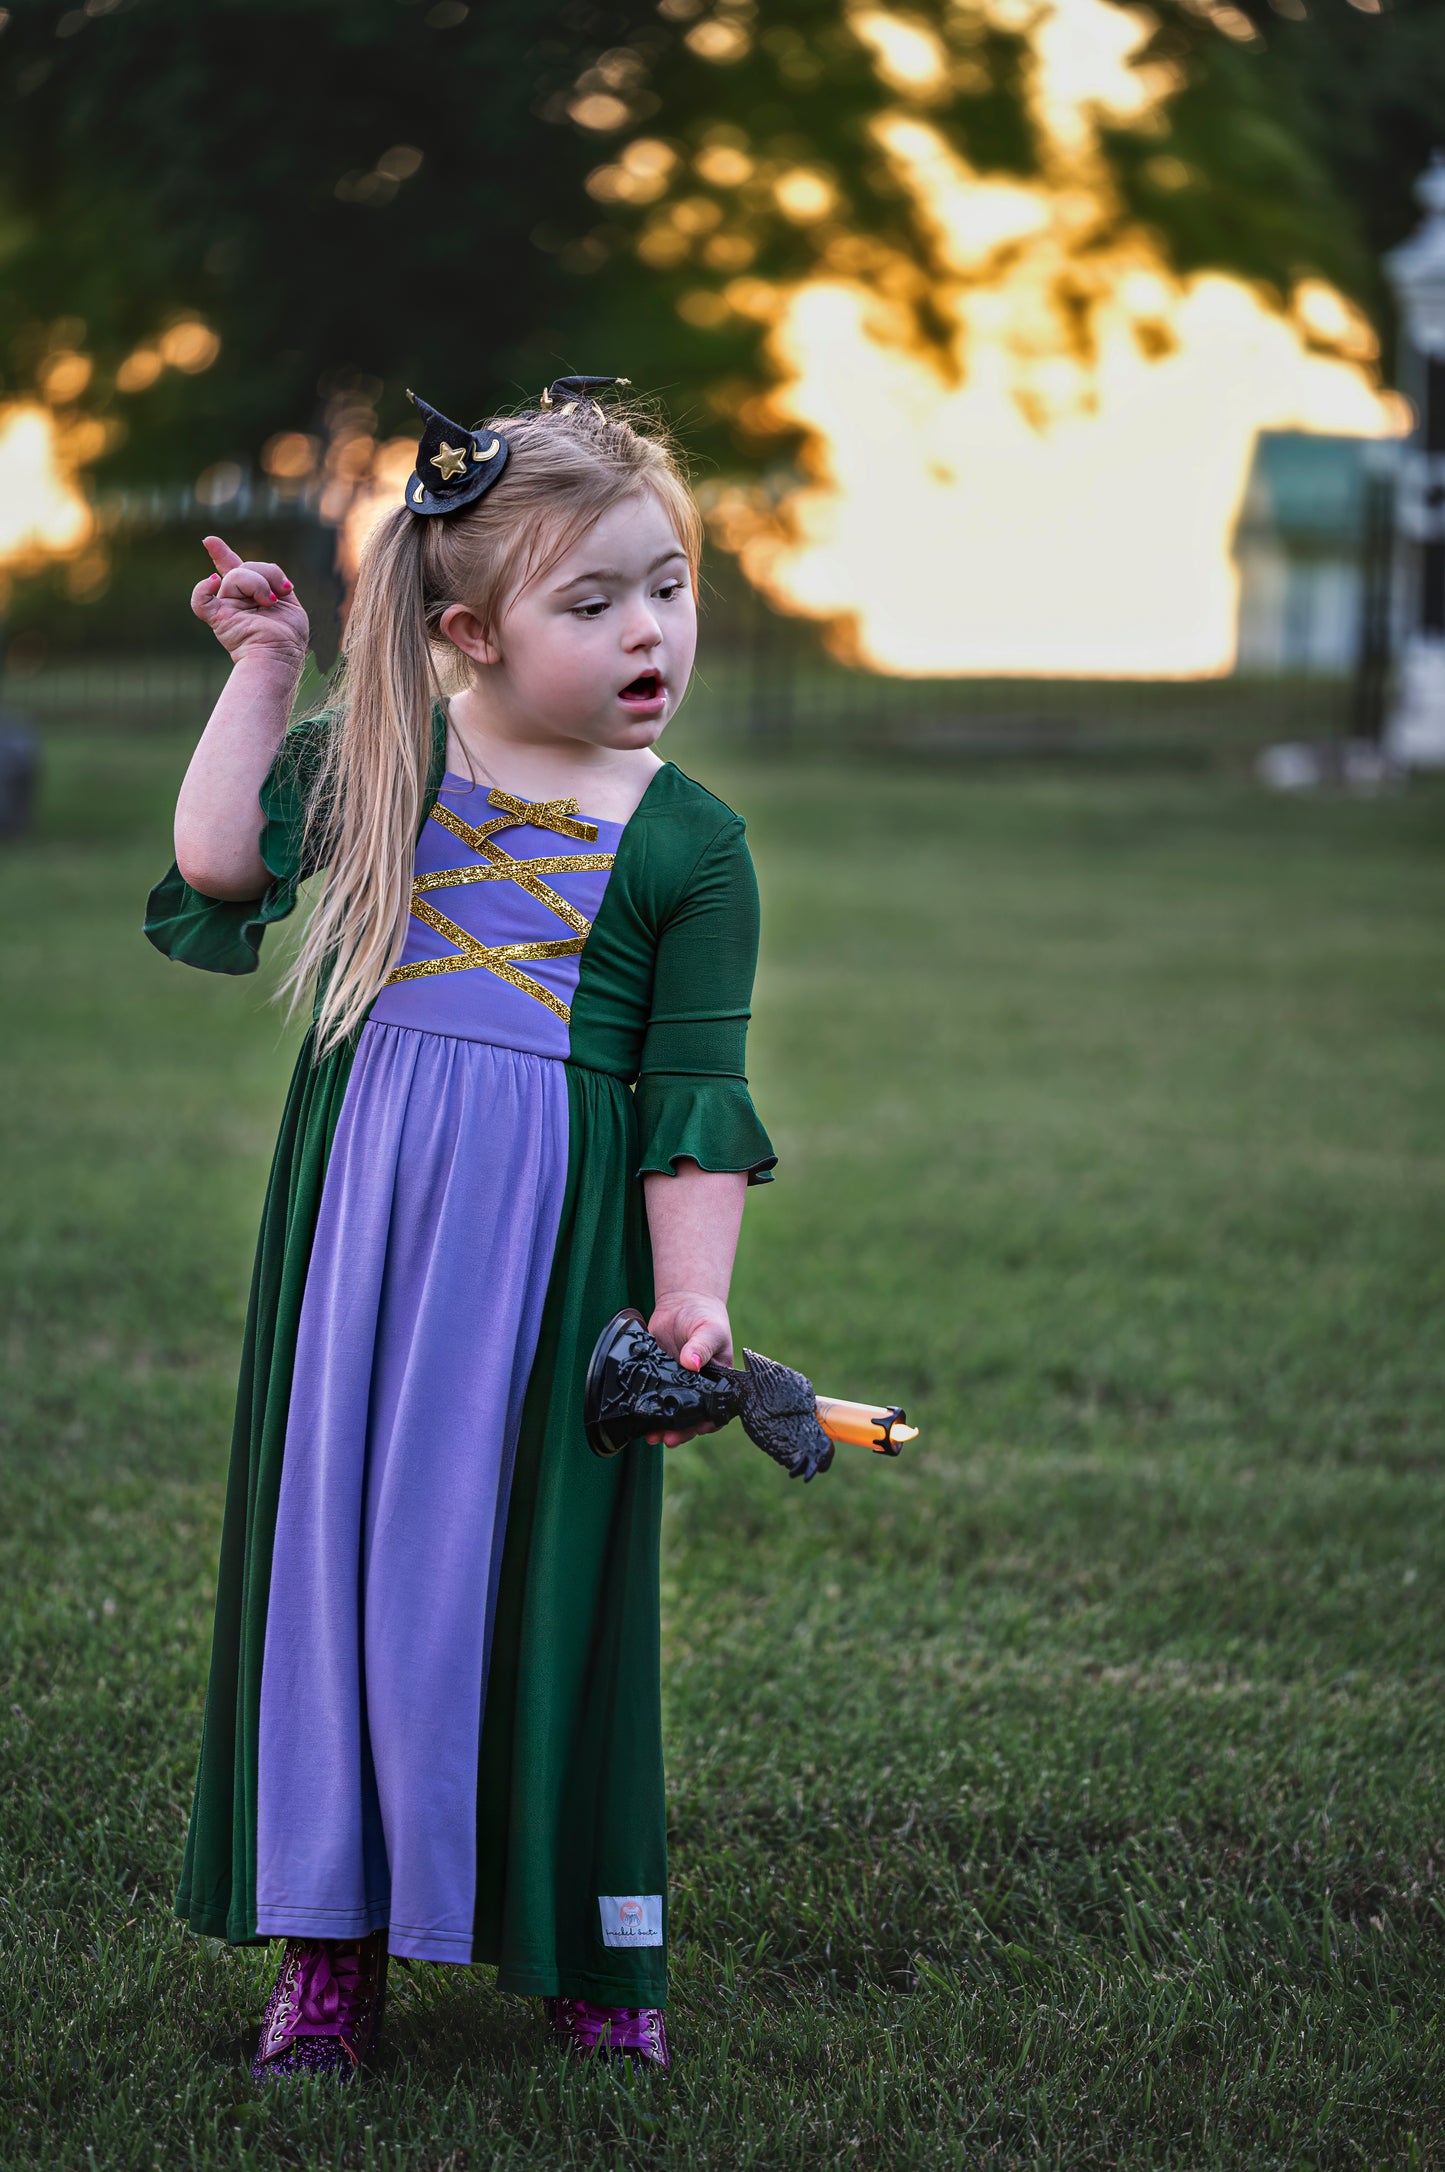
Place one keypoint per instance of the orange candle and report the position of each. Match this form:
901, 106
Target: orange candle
865, 1425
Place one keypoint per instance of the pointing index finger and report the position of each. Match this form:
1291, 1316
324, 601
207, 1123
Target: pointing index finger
222, 557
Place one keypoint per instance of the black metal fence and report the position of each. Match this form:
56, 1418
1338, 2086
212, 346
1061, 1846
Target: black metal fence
772, 678
769, 679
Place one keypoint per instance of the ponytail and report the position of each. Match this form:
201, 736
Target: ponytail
364, 798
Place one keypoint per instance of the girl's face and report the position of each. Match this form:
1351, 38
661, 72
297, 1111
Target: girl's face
600, 648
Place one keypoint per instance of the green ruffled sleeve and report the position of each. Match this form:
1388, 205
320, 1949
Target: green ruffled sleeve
692, 1092
223, 935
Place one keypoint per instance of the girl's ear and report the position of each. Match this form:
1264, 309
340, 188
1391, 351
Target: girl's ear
465, 631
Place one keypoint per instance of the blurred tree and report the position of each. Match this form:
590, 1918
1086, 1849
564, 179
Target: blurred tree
372, 192
1301, 126
335, 186
1278, 139
368, 193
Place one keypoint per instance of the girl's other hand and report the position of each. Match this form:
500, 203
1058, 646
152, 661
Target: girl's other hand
694, 1329
250, 606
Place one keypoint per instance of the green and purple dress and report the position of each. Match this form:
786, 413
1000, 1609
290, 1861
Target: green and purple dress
434, 1700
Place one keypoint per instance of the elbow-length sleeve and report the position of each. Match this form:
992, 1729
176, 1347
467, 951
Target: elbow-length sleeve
223, 935
692, 1091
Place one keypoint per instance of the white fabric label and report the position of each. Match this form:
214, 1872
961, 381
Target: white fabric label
631, 1919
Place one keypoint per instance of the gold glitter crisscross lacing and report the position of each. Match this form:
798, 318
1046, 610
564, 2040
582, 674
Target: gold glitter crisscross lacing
497, 865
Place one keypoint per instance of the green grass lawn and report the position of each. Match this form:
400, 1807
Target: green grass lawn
1065, 1793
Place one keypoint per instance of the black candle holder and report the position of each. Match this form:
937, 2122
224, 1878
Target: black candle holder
635, 1388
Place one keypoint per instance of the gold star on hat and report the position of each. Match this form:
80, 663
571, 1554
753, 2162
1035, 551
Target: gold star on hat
451, 460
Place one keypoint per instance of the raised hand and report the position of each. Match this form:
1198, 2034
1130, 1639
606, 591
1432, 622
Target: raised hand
694, 1329
250, 606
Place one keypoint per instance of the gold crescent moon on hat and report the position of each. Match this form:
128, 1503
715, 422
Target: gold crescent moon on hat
418, 494
491, 452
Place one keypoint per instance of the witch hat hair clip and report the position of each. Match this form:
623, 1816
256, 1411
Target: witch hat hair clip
453, 466
564, 393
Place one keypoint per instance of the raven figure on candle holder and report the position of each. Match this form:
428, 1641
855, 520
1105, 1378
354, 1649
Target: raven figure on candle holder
635, 1388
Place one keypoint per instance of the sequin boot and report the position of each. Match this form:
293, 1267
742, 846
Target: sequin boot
324, 2012
590, 2031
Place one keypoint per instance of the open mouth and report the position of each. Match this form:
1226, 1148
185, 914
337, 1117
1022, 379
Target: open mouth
646, 687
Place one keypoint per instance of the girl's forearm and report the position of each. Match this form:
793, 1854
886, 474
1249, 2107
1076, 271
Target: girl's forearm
218, 815
694, 1218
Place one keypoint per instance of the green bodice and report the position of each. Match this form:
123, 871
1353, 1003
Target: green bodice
665, 982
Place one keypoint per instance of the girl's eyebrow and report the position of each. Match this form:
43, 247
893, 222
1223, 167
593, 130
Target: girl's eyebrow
610, 573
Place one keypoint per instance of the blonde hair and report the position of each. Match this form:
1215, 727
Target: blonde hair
365, 791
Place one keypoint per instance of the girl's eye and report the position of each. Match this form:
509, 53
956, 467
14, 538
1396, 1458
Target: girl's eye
669, 590
589, 610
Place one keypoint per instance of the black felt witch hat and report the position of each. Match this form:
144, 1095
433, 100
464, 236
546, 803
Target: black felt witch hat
453, 466
564, 393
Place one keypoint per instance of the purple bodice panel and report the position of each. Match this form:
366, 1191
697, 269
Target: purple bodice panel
471, 965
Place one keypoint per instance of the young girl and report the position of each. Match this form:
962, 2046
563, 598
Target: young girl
433, 1719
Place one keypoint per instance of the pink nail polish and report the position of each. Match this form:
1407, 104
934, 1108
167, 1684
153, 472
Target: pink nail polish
274, 597
286, 588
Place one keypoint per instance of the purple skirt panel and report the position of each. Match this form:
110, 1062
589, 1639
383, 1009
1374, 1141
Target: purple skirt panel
418, 1330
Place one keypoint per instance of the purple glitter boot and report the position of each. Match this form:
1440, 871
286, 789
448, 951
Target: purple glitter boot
324, 2012
590, 2031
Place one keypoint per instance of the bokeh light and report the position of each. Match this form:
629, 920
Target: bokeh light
43, 514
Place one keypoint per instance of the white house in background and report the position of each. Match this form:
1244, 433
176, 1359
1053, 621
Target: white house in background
1299, 547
